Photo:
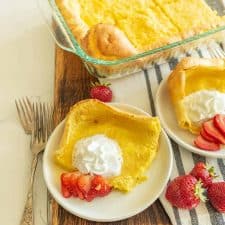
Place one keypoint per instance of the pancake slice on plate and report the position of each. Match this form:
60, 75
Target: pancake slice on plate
137, 136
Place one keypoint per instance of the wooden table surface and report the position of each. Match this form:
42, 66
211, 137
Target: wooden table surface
72, 83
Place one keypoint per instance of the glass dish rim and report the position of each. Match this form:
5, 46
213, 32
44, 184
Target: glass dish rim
83, 55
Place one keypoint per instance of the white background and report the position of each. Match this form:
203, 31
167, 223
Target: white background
26, 68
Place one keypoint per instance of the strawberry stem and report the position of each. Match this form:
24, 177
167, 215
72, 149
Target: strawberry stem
211, 171
200, 191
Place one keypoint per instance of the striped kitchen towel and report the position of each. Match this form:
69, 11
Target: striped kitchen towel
139, 89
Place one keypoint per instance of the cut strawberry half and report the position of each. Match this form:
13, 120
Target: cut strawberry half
65, 185
65, 179
84, 184
101, 186
79, 193
69, 183
73, 182
211, 130
91, 195
200, 142
219, 122
207, 137
65, 192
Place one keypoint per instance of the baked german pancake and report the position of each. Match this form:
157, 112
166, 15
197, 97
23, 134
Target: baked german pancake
197, 89
117, 29
136, 136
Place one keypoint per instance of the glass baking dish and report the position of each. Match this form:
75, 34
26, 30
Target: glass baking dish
121, 67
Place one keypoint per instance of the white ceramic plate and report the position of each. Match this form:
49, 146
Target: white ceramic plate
115, 206
166, 113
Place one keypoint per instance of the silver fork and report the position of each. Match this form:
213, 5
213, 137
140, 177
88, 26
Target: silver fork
25, 112
41, 129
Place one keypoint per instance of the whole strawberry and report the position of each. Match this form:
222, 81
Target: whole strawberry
216, 196
204, 173
101, 92
185, 192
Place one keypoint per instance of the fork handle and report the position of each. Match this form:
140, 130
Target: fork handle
27, 218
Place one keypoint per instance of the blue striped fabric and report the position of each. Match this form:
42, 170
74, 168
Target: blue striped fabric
140, 89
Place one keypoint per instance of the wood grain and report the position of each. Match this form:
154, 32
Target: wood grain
72, 83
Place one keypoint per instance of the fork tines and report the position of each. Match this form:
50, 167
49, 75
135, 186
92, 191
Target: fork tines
42, 127
25, 112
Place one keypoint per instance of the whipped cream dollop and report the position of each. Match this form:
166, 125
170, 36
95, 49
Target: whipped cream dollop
203, 105
98, 155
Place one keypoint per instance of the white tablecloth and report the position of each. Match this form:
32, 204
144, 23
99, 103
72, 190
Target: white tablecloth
26, 68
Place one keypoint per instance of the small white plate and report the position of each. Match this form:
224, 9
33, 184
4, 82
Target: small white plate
117, 205
184, 138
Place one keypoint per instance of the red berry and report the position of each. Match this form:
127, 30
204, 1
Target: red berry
185, 192
65, 192
84, 184
65, 179
100, 186
91, 195
211, 130
207, 137
216, 196
201, 143
219, 122
73, 182
68, 184
203, 173
101, 92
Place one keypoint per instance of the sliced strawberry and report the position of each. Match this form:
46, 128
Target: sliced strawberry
105, 190
91, 195
219, 122
79, 193
65, 192
68, 183
200, 142
211, 130
65, 179
73, 182
84, 184
207, 137
101, 186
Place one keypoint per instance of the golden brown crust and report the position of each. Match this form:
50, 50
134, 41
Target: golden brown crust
107, 42
176, 84
93, 102
71, 12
